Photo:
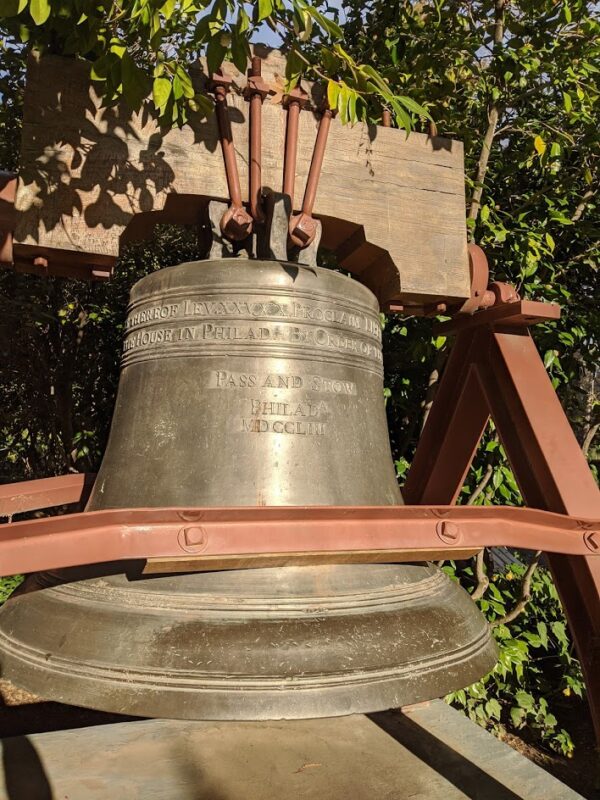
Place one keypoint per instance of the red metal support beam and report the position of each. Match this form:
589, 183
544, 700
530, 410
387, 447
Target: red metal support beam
553, 474
456, 422
545, 456
18, 498
363, 534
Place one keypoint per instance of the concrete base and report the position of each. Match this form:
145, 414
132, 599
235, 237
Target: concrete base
430, 752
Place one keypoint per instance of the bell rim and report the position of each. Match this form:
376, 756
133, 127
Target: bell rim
377, 692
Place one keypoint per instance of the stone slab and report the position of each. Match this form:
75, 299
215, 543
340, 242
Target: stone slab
430, 753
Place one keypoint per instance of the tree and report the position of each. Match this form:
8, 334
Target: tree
519, 84
138, 47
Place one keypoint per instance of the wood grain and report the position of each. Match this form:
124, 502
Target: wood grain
302, 559
91, 177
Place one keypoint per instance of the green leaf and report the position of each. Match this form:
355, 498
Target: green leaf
161, 91
239, 51
136, 84
265, 9
102, 67
215, 53
524, 700
39, 10
568, 103
243, 22
493, 709
517, 716
167, 8
333, 93
413, 106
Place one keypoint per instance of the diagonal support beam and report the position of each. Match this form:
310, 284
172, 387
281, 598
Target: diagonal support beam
553, 475
454, 427
500, 372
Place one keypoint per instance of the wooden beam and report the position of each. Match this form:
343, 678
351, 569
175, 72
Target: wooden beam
90, 177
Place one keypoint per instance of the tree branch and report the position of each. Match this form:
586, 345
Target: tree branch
432, 384
482, 579
589, 438
578, 213
493, 116
525, 593
481, 485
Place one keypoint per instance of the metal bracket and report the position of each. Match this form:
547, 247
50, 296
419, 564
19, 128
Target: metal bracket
222, 246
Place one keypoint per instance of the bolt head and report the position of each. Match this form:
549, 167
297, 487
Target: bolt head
592, 540
303, 230
448, 532
192, 539
236, 224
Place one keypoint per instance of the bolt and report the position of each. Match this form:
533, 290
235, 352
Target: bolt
256, 66
448, 532
192, 539
193, 515
590, 540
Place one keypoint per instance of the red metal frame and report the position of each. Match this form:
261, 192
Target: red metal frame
496, 370
390, 531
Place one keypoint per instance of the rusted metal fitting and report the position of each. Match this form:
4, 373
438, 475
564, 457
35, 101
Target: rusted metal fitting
448, 532
256, 84
433, 309
193, 539
480, 274
482, 295
41, 264
302, 226
294, 102
504, 293
8, 216
592, 540
236, 223
255, 92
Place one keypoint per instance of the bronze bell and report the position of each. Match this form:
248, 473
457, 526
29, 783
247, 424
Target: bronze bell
247, 383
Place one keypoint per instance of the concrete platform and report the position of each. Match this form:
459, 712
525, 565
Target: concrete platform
428, 753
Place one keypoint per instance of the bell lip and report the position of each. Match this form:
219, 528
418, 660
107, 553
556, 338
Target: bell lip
240, 704
364, 295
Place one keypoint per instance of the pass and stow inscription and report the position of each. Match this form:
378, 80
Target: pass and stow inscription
296, 417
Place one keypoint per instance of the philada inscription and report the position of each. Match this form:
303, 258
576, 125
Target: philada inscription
305, 336
298, 419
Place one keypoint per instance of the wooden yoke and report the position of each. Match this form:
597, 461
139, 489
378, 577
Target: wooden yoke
90, 178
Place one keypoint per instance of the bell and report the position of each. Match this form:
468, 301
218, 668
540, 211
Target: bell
247, 383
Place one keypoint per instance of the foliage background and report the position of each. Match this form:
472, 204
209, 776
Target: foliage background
518, 83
